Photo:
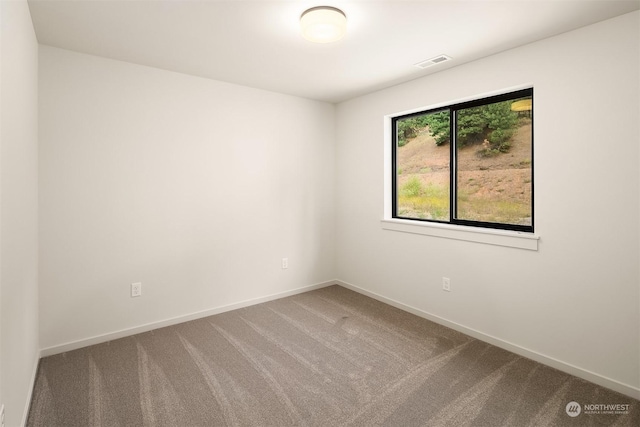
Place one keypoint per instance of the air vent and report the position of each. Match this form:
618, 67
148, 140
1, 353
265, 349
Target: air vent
433, 61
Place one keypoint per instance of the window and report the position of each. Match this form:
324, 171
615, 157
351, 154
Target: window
468, 164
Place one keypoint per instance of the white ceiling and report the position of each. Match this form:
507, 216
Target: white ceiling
258, 43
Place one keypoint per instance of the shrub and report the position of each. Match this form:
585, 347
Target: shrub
412, 188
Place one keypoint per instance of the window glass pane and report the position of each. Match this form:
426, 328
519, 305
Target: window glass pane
422, 166
493, 155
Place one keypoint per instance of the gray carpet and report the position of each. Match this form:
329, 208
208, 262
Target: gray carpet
329, 357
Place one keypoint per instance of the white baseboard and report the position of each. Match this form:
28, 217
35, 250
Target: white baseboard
32, 386
612, 384
74, 345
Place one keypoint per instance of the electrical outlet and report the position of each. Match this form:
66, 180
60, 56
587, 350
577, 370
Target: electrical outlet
285, 263
446, 284
136, 289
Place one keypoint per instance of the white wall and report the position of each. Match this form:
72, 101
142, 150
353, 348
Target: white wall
18, 209
195, 188
577, 298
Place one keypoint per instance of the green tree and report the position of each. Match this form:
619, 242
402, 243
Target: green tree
439, 126
502, 121
471, 125
494, 122
405, 132
408, 128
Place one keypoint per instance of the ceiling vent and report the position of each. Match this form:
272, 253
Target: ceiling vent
433, 61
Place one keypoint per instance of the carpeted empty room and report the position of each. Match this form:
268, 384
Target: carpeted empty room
329, 357
269, 213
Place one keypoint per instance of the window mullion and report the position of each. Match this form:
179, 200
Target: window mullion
453, 165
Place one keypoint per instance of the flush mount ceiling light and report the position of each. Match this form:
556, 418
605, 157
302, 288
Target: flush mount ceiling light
323, 24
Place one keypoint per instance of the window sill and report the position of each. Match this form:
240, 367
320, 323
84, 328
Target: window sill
512, 239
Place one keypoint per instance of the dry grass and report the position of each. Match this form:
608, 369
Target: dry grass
495, 189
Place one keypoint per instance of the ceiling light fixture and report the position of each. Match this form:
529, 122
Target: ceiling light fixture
323, 24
